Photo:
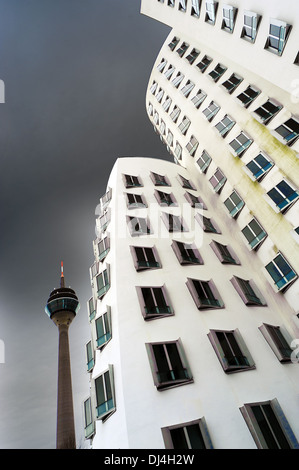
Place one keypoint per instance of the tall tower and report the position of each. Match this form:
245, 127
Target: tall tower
62, 307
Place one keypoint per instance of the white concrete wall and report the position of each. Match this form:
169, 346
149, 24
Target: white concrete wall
141, 410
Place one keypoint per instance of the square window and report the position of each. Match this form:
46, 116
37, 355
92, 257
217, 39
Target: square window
229, 18
234, 204
173, 223
138, 226
225, 125
135, 201
198, 98
278, 35
145, 257
103, 329
277, 340
165, 199
204, 161
186, 253
224, 253
288, 132
232, 82
192, 56
282, 196
251, 23
231, 350
182, 49
248, 96
254, 234
154, 302
268, 425
204, 63
258, 167
281, 272
267, 111
191, 435
105, 396
218, 180
169, 364
248, 291
132, 181
217, 72
204, 294
211, 111
240, 144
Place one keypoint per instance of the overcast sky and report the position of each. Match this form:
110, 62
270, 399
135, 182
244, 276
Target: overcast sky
75, 74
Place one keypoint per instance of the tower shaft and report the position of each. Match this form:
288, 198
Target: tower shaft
65, 438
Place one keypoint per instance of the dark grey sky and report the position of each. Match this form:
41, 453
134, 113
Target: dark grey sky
75, 74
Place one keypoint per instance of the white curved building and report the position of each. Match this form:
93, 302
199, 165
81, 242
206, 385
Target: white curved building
186, 333
194, 307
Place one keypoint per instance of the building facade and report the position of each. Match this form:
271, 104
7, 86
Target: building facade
194, 307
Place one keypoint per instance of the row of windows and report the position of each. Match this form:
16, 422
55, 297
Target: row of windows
287, 132
170, 368
278, 30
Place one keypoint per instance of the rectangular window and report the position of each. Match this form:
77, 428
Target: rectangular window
192, 145
211, 11
103, 282
103, 221
251, 23
281, 272
231, 350
167, 103
204, 294
278, 35
165, 199
240, 144
254, 234
268, 425
138, 226
234, 204
248, 96
187, 184
191, 435
178, 79
192, 56
91, 309
204, 161
218, 180
161, 66
172, 45
267, 111
186, 253
232, 82
225, 125
88, 419
154, 302
145, 257
277, 340
169, 138
105, 199
258, 167
103, 248
103, 329
195, 201
175, 113
183, 5
184, 125
169, 72
160, 95
168, 364
204, 63
182, 49
288, 132
89, 356
198, 98
282, 195
217, 72
159, 180
105, 396
248, 291
206, 224
224, 253
173, 223
178, 151
132, 181
153, 87
229, 18
186, 90
211, 111
195, 8
135, 200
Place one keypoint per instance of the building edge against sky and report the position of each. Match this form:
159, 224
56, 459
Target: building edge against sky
223, 218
